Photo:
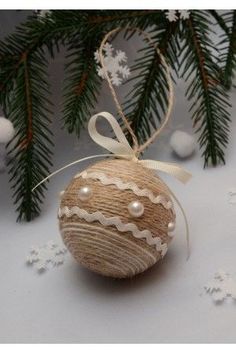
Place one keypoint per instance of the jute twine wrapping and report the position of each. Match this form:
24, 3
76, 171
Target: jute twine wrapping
104, 249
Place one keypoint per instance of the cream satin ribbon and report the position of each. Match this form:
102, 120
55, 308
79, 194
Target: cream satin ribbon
121, 148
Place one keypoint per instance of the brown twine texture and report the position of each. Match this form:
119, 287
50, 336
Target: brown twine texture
104, 249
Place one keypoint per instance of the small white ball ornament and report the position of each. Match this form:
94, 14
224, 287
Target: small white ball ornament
6, 130
182, 143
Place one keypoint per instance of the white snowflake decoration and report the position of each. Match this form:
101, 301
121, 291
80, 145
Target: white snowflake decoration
41, 14
172, 16
221, 287
50, 254
232, 196
114, 63
184, 14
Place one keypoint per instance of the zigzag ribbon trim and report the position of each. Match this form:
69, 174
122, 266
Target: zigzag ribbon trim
115, 221
160, 199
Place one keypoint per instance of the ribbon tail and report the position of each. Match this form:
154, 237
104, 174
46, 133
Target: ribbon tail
69, 165
167, 167
185, 220
186, 225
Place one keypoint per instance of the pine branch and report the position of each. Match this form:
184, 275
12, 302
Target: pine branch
228, 49
36, 34
24, 83
82, 84
133, 17
147, 101
219, 20
23, 95
30, 150
23, 90
108, 19
210, 102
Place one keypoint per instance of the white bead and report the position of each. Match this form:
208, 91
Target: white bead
171, 226
136, 208
85, 193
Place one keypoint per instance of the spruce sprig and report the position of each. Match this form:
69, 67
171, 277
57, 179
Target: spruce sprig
228, 49
147, 101
82, 84
210, 102
25, 96
30, 150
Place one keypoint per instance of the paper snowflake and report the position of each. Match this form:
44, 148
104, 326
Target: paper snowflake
50, 254
41, 14
184, 14
221, 287
172, 16
114, 62
232, 196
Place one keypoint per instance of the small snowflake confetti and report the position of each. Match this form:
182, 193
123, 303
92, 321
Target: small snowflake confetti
184, 14
232, 196
114, 62
50, 254
221, 287
172, 15
41, 14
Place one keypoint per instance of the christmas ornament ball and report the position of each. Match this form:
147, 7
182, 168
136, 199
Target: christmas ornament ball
116, 218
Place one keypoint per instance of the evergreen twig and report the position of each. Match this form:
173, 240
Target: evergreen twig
82, 84
24, 89
147, 101
30, 150
210, 101
228, 49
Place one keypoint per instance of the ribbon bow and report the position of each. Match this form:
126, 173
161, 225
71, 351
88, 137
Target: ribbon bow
121, 148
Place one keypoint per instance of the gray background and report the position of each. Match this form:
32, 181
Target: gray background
167, 303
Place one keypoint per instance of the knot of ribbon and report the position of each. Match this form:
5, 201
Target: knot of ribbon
122, 149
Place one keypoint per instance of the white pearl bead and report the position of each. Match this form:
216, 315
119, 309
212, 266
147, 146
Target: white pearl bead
85, 193
171, 226
136, 208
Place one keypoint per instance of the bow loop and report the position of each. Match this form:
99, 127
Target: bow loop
120, 146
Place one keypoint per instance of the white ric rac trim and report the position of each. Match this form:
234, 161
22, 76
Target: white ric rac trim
115, 221
105, 180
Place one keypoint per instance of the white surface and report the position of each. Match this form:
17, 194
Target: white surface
166, 304
70, 304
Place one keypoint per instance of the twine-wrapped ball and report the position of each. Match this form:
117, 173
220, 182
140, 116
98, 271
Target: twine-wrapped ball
116, 218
